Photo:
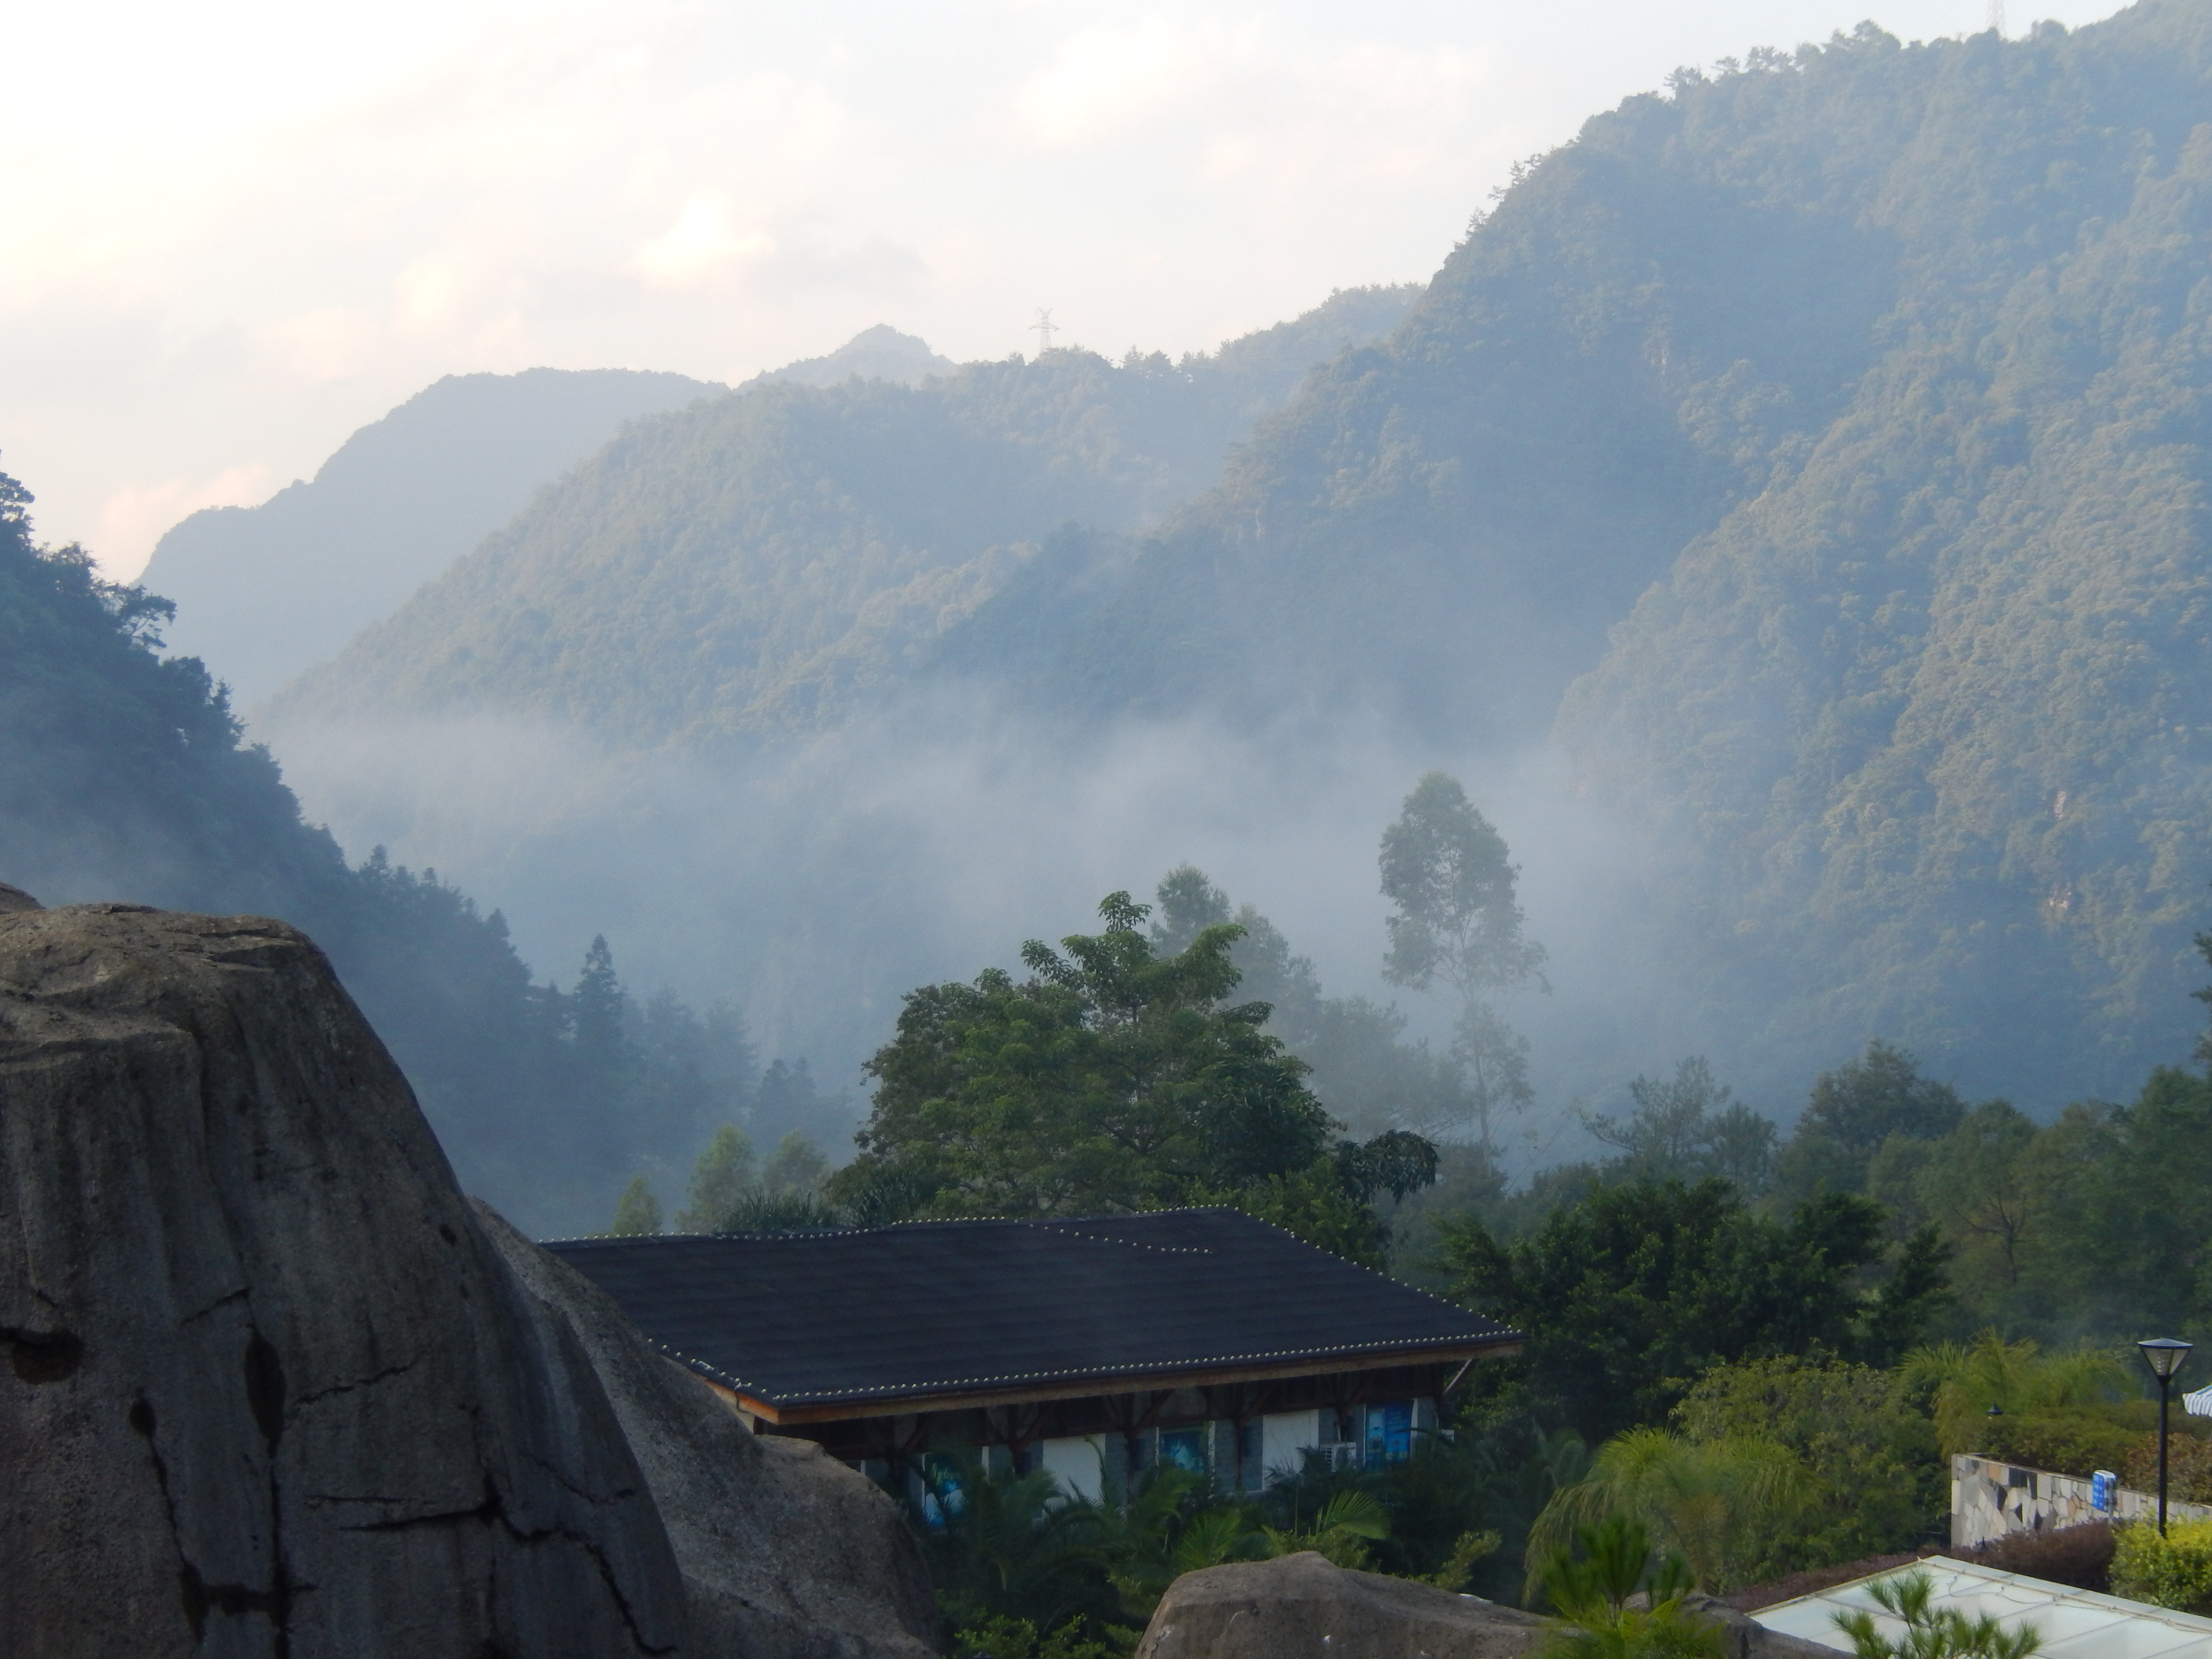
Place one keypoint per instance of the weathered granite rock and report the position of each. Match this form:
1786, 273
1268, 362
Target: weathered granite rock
269, 1390
1302, 1606
14, 898
786, 1552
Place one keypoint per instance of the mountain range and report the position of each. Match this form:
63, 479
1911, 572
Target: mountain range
265, 592
1806, 466
1812, 454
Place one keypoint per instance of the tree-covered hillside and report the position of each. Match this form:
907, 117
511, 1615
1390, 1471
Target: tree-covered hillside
122, 777
1922, 725
1829, 423
265, 592
767, 561
1865, 384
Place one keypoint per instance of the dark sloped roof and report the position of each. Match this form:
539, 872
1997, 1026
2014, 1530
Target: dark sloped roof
937, 1308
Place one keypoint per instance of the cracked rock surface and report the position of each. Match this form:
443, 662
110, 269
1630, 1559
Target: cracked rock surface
786, 1552
268, 1388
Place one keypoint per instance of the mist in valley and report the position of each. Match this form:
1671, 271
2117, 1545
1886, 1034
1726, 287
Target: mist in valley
850, 681
815, 886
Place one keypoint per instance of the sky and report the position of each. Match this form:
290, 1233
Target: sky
239, 231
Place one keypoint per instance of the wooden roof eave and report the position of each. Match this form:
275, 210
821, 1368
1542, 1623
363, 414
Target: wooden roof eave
898, 1405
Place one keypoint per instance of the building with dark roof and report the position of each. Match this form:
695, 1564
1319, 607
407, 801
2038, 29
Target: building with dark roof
1089, 1347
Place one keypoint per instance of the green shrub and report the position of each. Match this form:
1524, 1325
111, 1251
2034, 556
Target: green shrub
2173, 1572
2072, 1440
2079, 1555
2188, 1468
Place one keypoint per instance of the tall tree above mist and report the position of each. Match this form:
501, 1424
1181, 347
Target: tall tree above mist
1456, 920
1364, 1069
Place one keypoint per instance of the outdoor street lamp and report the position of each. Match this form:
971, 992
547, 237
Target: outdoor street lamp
2164, 1355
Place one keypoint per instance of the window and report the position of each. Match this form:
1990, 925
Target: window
942, 1493
1389, 1432
1183, 1448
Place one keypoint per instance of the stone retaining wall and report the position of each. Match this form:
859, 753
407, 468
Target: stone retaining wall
1991, 1498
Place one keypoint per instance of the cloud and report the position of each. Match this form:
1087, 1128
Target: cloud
701, 247
1107, 79
238, 233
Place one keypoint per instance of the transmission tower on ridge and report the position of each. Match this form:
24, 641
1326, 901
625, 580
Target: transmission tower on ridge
1044, 331
1997, 17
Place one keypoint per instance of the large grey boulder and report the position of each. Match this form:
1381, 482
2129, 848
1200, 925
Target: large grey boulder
786, 1552
1303, 1607
269, 1389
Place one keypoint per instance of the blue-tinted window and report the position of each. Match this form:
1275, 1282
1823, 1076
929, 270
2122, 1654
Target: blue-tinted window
1183, 1448
1390, 1433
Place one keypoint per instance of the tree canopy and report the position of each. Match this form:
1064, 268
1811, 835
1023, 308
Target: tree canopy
1634, 1289
1112, 1077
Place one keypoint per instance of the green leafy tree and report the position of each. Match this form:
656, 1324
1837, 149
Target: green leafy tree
1596, 1578
1344, 1529
638, 1213
1871, 1477
796, 1166
1854, 1109
1688, 1128
596, 1013
1717, 1504
2014, 1378
1111, 1079
1364, 1070
1012, 1547
1633, 1289
723, 1178
1450, 880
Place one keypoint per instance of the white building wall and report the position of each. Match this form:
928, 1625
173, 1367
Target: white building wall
1284, 1438
1075, 1463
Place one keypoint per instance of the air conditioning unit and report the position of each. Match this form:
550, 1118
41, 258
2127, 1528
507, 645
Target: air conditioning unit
1343, 1454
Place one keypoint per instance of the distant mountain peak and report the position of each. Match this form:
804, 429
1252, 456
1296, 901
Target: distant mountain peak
880, 353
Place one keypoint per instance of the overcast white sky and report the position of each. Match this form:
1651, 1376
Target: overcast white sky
239, 230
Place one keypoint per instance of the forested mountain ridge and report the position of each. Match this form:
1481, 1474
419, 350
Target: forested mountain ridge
124, 778
1652, 320
1877, 372
765, 562
265, 592
1829, 423
1921, 727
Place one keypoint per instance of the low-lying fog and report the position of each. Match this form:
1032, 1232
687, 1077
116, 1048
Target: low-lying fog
816, 885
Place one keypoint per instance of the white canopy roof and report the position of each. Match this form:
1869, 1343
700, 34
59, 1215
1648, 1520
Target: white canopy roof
2075, 1623
2198, 1404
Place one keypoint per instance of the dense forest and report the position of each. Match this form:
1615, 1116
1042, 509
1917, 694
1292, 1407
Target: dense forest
1806, 463
124, 777
1806, 456
1750, 1352
767, 562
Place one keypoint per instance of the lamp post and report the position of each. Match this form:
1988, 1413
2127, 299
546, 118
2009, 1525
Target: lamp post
2164, 1355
